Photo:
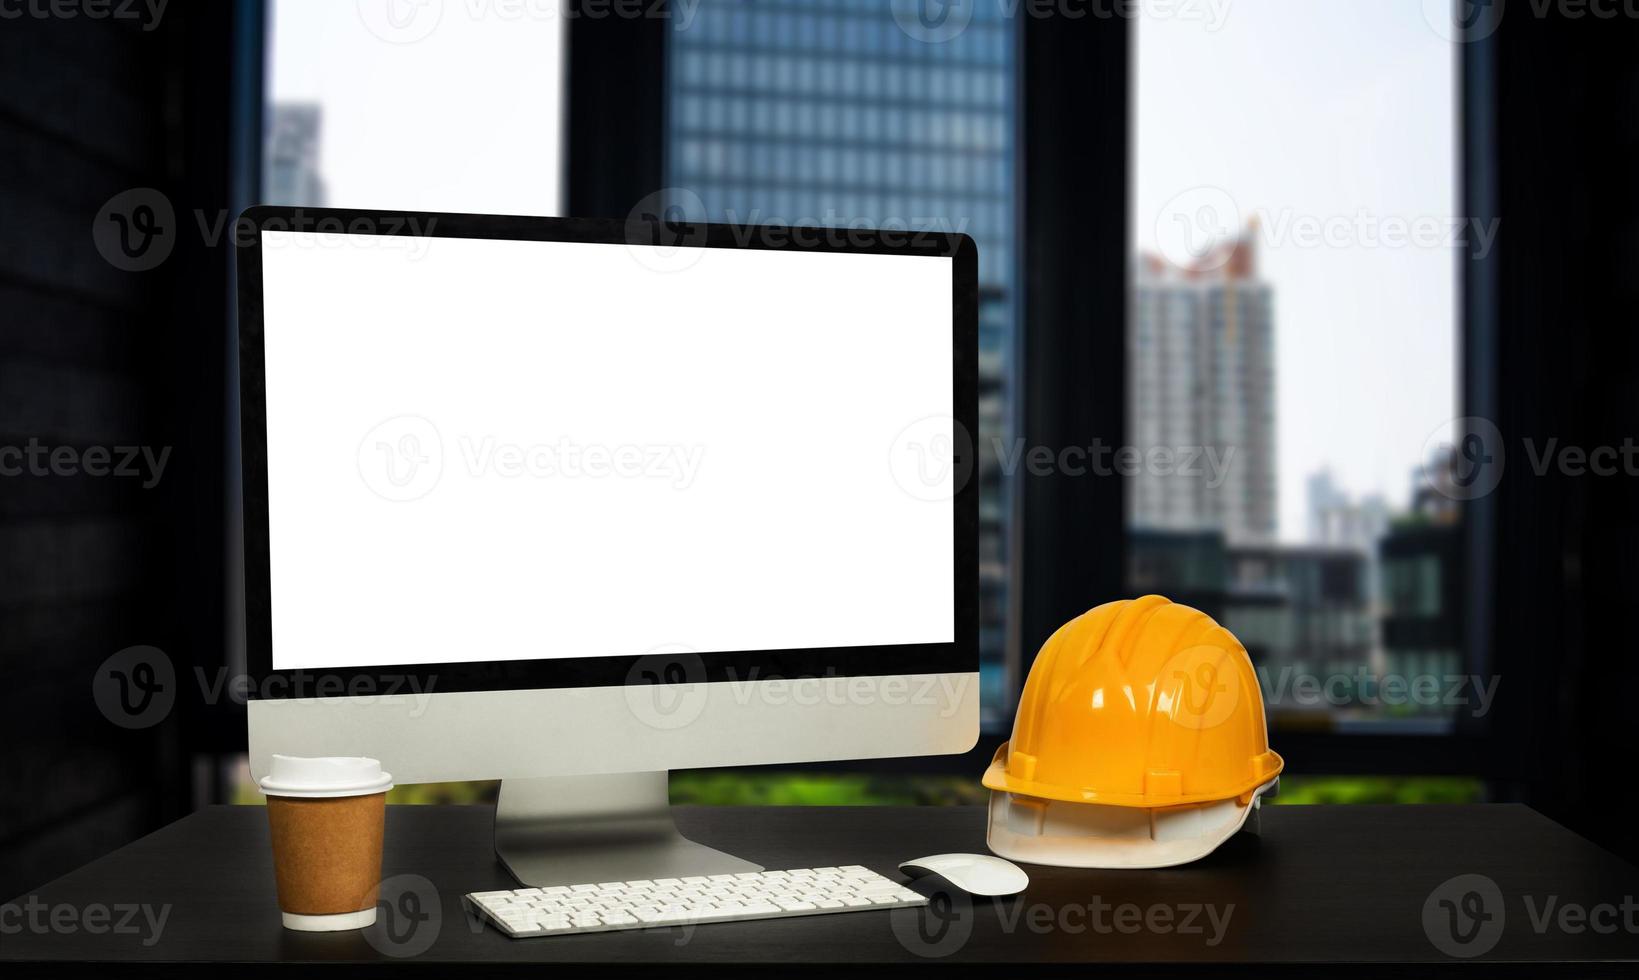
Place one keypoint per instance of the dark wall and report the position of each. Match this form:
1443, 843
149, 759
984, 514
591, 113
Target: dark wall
1567, 543
96, 357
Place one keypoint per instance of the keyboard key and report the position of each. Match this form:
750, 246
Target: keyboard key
695, 899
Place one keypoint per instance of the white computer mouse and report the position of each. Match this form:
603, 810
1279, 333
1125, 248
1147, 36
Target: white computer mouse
976, 874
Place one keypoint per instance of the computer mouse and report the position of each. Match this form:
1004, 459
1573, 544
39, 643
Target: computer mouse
976, 874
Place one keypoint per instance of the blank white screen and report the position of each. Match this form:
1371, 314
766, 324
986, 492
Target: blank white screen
611, 456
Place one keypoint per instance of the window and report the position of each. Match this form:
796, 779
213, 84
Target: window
831, 114
1294, 329
416, 107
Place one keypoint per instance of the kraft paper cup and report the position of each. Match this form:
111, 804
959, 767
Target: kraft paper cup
328, 817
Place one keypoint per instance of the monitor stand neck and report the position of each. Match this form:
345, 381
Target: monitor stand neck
568, 830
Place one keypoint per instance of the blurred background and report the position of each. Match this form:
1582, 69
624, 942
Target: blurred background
1299, 313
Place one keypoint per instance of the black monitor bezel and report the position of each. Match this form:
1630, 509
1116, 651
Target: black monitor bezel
960, 656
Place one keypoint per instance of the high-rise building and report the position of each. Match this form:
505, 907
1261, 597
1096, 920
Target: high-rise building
831, 113
1201, 381
1336, 518
292, 156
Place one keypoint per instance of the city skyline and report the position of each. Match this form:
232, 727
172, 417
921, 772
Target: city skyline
1328, 118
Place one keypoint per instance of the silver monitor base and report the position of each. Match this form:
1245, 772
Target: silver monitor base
570, 830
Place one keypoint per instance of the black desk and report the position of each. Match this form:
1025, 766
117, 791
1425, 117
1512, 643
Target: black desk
1324, 885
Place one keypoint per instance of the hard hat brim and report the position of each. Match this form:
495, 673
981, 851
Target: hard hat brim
1021, 829
1264, 769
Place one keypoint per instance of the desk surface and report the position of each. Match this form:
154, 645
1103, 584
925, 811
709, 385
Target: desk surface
1323, 885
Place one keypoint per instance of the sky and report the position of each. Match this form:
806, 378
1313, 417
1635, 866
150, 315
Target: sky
428, 105
1305, 111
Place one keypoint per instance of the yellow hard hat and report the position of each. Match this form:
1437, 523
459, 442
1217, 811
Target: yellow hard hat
1140, 704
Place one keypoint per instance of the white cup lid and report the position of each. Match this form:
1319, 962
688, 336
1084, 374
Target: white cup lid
327, 778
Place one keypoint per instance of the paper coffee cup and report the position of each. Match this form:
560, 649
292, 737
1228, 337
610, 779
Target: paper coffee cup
327, 817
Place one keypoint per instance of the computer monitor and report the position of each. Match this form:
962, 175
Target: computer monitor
572, 503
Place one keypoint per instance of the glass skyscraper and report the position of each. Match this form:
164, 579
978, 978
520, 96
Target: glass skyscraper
829, 112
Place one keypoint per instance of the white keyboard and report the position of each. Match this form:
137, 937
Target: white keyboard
564, 910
